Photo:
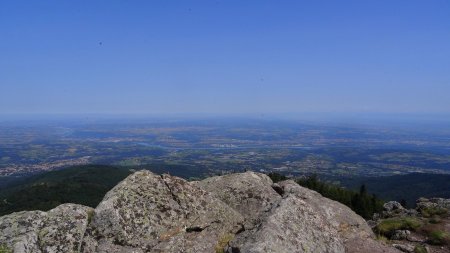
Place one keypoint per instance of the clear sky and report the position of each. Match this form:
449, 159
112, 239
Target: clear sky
224, 56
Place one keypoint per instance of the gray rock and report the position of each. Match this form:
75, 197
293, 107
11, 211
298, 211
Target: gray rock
392, 206
105, 246
64, 228
162, 214
304, 221
357, 245
424, 203
404, 247
58, 230
249, 193
394, 209
411, 212
293, 227
400, 234
19, 231
440, 203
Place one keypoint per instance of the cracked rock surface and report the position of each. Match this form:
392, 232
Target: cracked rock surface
249, 193
161, 214
242, 212
59, 230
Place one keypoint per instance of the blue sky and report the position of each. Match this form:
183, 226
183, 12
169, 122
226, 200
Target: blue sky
224, 56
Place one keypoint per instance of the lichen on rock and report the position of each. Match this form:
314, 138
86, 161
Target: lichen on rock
58, 230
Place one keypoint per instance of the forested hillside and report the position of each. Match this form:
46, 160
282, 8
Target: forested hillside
84, 185
404, 188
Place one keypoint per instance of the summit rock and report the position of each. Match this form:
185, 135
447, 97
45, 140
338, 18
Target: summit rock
242, 212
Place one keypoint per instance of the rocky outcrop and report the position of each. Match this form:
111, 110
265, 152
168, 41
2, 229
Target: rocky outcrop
242, 212
393, 209
286, 217
59, 230
160, 214
251, 194
392, 206
423, 229
434, 203
304, 221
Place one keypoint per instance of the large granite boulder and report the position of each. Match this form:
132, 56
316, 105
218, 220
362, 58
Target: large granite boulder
249, 193
58, 230
160, 214
304, 221
286, 217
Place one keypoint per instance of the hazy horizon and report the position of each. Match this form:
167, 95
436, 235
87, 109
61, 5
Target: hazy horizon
422, 122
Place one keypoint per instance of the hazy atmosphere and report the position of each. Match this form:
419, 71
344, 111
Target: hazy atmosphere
224, 57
